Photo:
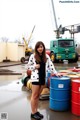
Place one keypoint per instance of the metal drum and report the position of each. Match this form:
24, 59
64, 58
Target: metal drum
48, 52
73, 77
75, 99
48, 75
29, 85
27, 82
60, 93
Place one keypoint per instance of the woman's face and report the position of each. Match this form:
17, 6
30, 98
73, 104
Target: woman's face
40, 49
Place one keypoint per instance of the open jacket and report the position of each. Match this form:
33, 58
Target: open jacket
34, 74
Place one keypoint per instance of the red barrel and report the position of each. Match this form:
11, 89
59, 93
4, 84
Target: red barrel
75, 100
48, 52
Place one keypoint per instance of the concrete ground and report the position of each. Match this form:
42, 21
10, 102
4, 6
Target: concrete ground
15, 99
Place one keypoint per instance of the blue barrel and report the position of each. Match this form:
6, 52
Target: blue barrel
48, 74
59, 93
47, 77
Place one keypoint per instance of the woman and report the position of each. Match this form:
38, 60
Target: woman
39, 63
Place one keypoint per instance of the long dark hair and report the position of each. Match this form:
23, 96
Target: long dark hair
37, 55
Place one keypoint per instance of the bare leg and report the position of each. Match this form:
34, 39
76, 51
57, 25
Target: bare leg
35, 98
42, 86
40, 90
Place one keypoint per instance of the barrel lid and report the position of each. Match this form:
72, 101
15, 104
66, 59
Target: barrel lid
76, 80
78, 74
73, 76
60, 78
67, 71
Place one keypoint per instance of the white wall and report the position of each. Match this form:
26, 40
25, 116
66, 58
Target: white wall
11, 51
2, 51
21, 51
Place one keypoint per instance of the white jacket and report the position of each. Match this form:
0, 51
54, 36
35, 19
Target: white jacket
34, 74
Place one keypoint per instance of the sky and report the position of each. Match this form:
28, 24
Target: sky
18, 17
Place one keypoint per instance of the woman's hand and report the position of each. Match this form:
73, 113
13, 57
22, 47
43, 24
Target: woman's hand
58, 75
37, 66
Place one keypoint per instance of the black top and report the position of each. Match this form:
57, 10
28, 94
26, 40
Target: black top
42, 72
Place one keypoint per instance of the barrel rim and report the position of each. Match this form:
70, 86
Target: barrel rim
60, 78
76, 80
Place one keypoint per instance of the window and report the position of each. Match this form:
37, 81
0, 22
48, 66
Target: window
54, 44
66, 43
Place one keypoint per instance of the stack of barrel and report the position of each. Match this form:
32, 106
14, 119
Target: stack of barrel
64, 93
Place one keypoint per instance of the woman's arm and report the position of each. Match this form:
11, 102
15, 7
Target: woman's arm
31, 63
51, 65
52, 68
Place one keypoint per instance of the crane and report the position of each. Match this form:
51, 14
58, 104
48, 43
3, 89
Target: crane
28, 50
55, 20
